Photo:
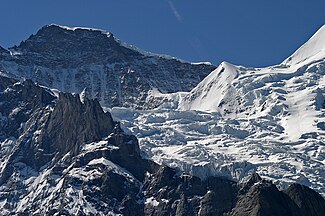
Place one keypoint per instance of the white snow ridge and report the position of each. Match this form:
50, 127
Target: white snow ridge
240, 120
313, 49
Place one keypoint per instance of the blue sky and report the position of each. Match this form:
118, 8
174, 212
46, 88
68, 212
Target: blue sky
249, 33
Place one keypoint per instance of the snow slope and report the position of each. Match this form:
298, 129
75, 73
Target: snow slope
291, 91
215, 88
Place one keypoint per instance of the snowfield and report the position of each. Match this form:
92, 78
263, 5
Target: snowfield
240, 120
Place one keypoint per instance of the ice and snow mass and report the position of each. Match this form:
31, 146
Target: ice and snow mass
242, 120
236, 121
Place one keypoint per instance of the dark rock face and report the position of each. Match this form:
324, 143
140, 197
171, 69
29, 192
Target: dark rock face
169, 193
74, 59
307, 200
264, 198
73, 123
75, 46
62, 155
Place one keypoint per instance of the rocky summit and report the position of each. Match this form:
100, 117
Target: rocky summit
80, 59
63, 155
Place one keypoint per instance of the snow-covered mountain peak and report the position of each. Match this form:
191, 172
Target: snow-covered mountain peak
211, 92
71, 59
312, 50
241, 91
228, 66
225, 72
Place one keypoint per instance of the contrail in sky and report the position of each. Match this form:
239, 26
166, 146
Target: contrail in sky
175, 12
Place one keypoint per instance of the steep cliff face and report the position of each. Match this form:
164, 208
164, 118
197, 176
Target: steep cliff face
74, 59
61, 154
74, 122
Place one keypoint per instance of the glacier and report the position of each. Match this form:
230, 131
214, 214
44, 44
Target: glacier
241, 120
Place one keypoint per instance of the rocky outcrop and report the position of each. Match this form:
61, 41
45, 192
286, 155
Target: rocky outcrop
264, 198
72, 59
73, 123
